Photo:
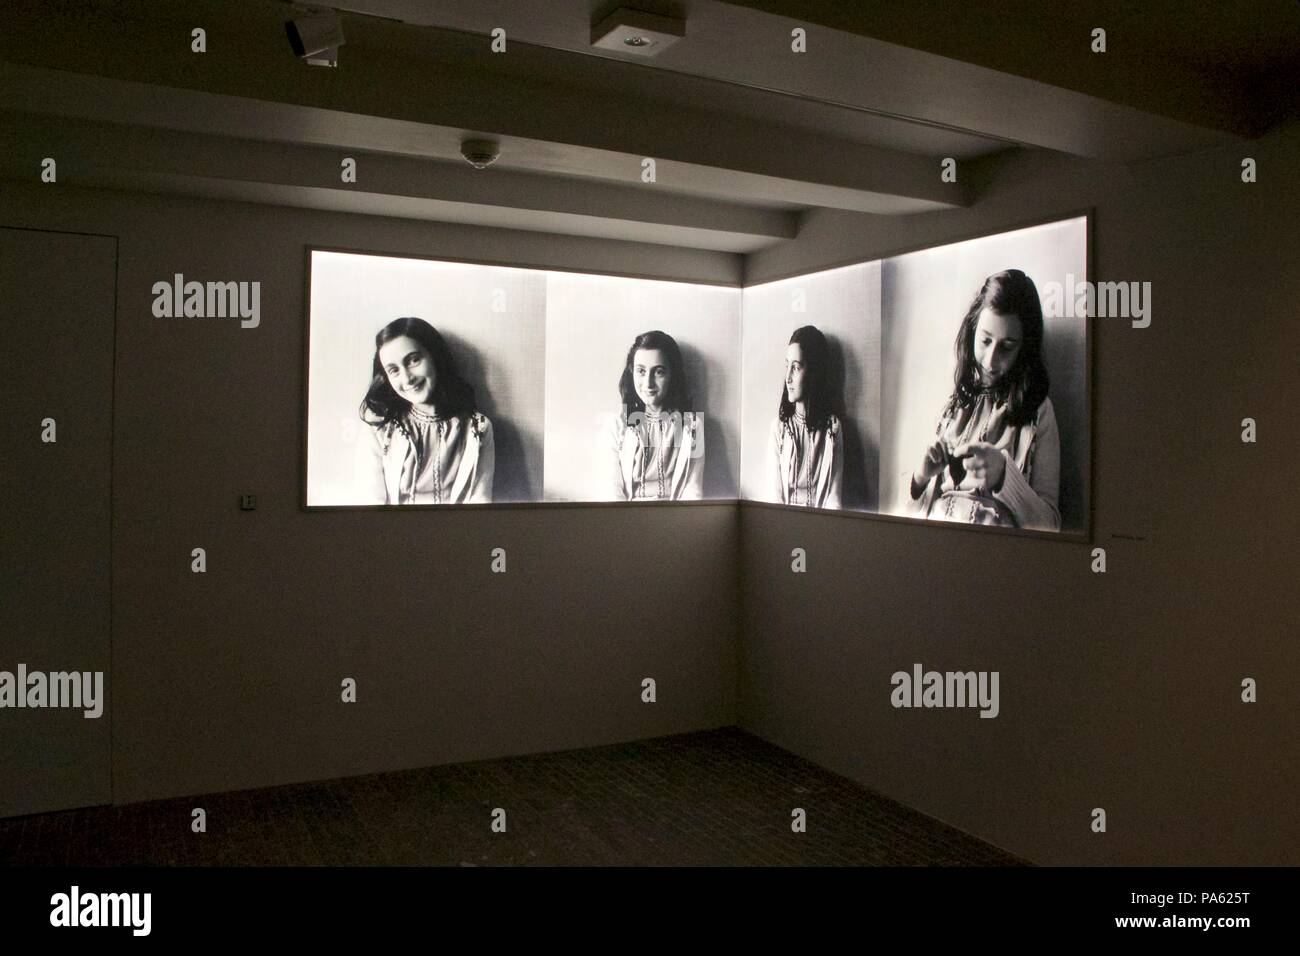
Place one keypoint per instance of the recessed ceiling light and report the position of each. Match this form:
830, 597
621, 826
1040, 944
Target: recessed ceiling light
637, 32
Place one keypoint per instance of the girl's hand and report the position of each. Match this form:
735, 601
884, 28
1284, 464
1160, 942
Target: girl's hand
984, 462
931, 464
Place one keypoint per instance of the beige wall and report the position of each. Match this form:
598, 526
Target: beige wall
231, 679
1120, 690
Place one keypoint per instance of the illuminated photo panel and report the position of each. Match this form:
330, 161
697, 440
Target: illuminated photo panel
985, 405
425, 382
812, 389
949, 384
642, 389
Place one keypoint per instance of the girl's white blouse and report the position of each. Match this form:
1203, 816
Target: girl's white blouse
426, 459
805, 466
654, 457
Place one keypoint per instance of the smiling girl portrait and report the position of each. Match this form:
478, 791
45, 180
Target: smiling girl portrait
655, 443
427, 443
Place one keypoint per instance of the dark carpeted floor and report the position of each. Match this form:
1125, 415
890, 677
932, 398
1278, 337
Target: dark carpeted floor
717, 798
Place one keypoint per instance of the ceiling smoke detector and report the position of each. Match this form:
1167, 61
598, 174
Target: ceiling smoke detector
636, 32
480, 153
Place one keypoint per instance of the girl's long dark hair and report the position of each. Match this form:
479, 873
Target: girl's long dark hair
1025, 384
678, 398
818, 400
453, 397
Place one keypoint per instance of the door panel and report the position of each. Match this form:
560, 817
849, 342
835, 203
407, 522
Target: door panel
57, 293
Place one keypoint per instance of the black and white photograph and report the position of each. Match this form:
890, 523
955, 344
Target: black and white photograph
985, 401
812, 389
642, 389
425, 381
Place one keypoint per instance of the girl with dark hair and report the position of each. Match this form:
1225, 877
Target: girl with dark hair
427, 442
996, 456
655, 443
805, 445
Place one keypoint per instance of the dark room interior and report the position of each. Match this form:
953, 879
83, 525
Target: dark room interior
737, 673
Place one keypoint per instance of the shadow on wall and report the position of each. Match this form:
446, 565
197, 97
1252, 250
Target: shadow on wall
1062, 347
511, 482
861, 456
719, 478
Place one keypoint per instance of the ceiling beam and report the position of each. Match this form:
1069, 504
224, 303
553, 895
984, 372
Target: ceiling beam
749, 44
119, 156
426, 104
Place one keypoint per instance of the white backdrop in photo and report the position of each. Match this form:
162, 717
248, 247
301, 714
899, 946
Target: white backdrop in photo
924, 296
500, 353
591, 322
845, 305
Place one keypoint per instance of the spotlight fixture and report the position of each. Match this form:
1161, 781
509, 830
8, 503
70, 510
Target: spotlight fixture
637, 32
480, 153
316, 37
